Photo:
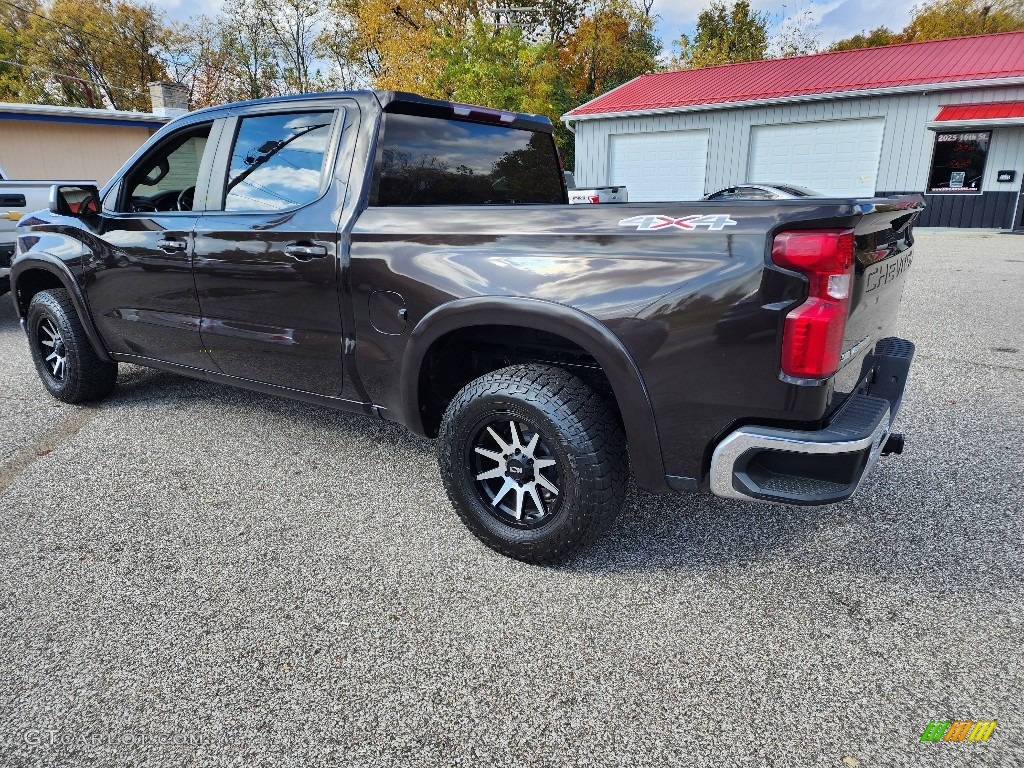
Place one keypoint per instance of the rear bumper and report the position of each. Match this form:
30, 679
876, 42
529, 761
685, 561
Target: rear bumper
824, 466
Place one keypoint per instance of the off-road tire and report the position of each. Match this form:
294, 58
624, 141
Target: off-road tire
85, 377
585, 439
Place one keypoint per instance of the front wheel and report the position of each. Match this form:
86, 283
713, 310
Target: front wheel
64, 358
534, 462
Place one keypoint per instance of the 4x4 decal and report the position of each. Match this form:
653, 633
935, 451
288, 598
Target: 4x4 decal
717, 222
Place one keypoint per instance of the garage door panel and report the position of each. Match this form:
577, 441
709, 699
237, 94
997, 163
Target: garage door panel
837, 157
662, 165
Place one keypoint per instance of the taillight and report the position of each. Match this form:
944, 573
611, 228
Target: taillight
812, 341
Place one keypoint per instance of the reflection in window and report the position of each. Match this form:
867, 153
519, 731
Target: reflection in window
277, 161
958, 162
431, 161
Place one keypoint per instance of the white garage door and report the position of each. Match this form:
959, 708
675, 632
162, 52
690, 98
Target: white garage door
837, 157
664, 165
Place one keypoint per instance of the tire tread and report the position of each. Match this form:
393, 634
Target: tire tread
93, 378
586, 419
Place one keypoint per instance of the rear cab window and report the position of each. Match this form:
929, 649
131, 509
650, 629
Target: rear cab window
437, 161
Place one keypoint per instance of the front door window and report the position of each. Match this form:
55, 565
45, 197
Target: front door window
166, 180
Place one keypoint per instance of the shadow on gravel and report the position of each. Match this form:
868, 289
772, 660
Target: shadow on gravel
902, 525
137, 385
922, 544
8, 314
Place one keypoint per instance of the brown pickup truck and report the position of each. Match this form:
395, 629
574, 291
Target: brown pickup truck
417, 261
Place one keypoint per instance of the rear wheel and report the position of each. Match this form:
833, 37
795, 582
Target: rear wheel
64, 358
534, 462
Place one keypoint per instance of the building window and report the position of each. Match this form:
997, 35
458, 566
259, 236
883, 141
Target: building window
958, 163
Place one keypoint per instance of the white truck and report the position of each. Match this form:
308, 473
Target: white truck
18, 198
593, 195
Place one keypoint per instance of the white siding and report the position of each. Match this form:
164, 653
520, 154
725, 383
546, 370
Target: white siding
1005, 153
906, 143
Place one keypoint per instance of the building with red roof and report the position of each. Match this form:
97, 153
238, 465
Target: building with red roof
941, 117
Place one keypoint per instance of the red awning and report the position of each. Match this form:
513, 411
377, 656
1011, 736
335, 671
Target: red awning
992, 111
978, 115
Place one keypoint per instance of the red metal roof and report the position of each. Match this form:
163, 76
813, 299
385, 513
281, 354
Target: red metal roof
982, 57
994, 110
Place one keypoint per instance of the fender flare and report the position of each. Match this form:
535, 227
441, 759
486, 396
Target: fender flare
578, 327
56, 267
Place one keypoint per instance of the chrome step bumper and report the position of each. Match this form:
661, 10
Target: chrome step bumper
786, 466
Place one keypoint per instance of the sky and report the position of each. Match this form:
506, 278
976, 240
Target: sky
836, 19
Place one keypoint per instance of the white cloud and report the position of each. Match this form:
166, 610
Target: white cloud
179, 10
836, 19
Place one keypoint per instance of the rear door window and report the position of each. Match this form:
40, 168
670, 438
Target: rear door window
277, 161
433, 161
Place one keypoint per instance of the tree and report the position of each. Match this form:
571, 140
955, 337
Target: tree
876, 37
484, 65
943, 19
955, 18
94, 53
251, 55
613, 44
795, 35
392, 40
724, 36
14, 71
294, 27
538, 56
199, 56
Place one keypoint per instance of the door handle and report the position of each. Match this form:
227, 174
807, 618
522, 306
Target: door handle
172, 245
306, 252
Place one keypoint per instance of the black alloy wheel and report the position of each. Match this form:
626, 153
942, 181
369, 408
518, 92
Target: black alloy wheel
64, 358
515, 470
52, 349
534, 462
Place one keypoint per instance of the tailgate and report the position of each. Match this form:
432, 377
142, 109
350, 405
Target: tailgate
884, 253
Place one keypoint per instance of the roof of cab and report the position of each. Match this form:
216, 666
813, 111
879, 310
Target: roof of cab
394, 100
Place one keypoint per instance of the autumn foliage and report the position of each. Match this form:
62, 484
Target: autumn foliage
538, 56
944, 19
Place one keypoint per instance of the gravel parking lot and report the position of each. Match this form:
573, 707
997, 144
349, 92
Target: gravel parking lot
195, 575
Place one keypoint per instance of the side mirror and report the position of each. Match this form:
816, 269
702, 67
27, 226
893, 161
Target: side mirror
74, 199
